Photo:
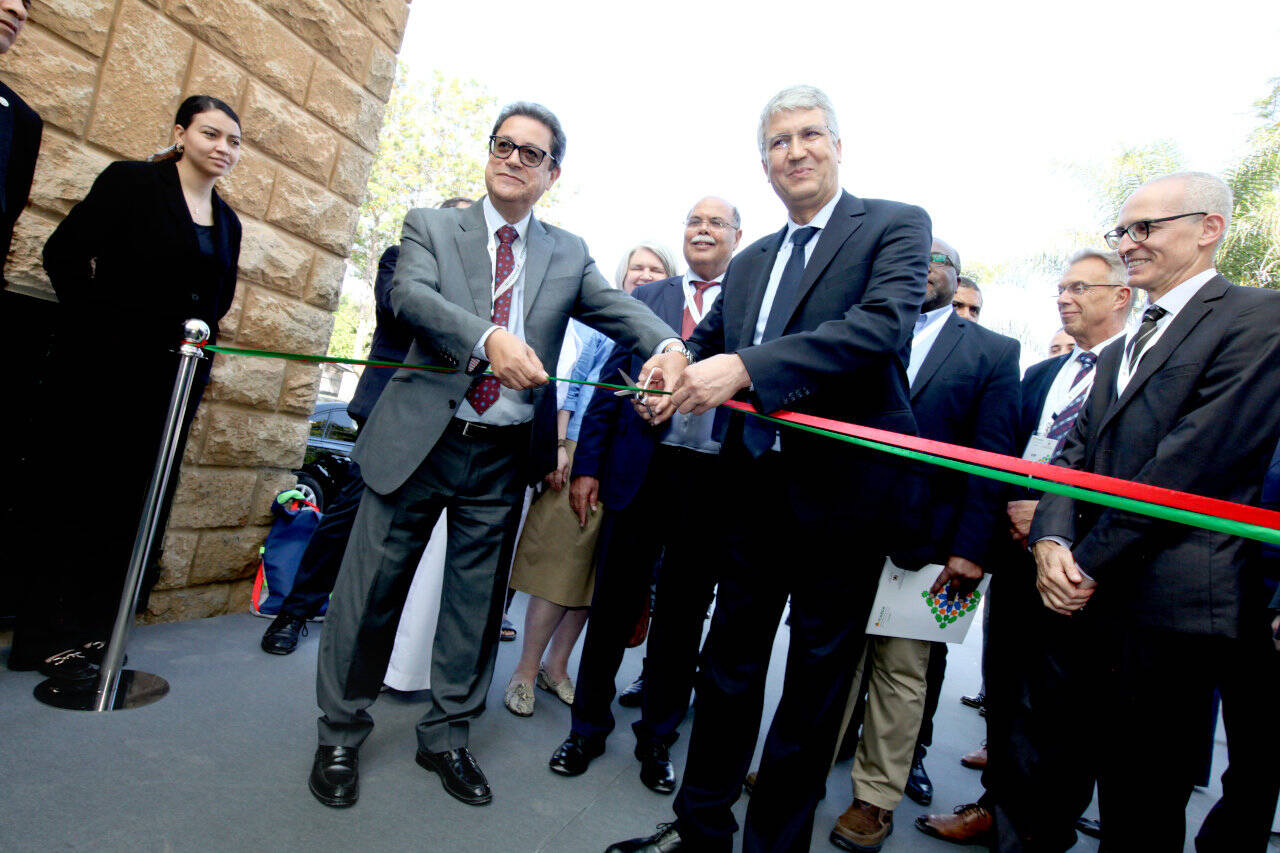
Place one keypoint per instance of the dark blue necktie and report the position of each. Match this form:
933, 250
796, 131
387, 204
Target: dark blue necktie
1066, 419
759, 435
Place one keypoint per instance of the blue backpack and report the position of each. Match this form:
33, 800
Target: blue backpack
295, 521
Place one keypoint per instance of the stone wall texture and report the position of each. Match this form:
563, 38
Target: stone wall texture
310, 80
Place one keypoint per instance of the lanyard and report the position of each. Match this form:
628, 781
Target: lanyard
510, 281
689, 305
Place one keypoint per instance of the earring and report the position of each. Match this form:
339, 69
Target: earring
177, 146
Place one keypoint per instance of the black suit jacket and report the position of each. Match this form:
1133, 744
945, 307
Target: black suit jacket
615, 445
966, 392
1199, 415
842, 354
391, 340
126, 259
20, 132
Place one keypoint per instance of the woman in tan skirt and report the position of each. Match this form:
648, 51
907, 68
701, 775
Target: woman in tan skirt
554, 560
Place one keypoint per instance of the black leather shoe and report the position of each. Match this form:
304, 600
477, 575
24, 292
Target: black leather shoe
919, 786
656, 771
335, 775
281, 637
1090, 827
573, 757
460, 775
633, 696
665, 840
70, 667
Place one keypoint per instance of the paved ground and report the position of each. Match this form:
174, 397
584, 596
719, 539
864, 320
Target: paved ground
221, 763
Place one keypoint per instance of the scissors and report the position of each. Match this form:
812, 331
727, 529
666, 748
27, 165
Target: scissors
638, 395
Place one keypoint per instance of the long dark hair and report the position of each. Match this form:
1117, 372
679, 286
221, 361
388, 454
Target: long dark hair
197, 104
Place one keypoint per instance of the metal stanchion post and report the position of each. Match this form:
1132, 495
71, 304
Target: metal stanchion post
120, 688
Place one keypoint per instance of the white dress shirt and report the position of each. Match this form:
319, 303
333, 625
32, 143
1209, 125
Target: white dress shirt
1173, 302
513, 407
1060, 395
922, 340
784, 254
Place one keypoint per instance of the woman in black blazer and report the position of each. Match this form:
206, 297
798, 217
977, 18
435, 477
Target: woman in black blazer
151, 246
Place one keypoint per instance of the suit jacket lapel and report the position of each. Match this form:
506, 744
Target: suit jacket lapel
845, 219
948, 337
6, 147
177, 204
1194, 311
536, 262
672, 312
473, 249
758, 282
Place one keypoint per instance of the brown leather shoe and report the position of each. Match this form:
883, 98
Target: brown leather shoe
976, 760
862, 827
969, 824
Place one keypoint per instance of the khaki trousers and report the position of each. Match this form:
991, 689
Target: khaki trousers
891, 721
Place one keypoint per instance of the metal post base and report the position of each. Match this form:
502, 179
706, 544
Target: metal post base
136, 689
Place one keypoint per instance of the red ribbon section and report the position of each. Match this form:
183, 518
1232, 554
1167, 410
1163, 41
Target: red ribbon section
1041, 470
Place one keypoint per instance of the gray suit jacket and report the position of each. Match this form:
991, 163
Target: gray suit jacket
442, 291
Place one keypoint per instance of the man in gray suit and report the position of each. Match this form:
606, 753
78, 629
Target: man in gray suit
489, 286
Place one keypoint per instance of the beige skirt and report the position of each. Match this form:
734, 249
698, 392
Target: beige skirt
555, 559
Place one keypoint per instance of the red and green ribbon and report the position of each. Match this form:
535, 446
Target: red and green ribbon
1153, 501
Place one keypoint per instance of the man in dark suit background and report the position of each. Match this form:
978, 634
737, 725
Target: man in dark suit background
1037, 780
964, 390
487, 286
815, 317
636, 468
26, 322
318, 568
1188, 402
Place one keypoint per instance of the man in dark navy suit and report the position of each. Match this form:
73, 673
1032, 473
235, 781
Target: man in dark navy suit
964, 390
636, 468
319, 566
817, 318
1036, 786
1187, 402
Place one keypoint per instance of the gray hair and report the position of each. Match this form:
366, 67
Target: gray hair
950, 252
797, 98
538, 113
663, 253
737, 217
965, 281
1115, 267
1206, 192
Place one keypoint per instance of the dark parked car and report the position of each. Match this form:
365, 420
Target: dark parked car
326, 466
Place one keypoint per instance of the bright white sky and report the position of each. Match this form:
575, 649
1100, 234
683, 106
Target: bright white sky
971, 110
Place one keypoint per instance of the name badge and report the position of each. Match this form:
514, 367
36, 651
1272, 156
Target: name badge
1040, 449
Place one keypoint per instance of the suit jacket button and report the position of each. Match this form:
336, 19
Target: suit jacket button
453, 404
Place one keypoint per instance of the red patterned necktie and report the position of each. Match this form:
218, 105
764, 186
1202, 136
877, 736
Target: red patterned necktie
687, 323
484, 392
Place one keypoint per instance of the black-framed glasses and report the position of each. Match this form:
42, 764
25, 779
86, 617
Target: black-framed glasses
714, 222
939, 259
1078, 288
1141, 229
530, 155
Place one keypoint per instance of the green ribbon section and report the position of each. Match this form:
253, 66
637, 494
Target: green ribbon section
332, 359
1164, 513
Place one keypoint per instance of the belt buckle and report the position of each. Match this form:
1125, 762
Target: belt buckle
471, 429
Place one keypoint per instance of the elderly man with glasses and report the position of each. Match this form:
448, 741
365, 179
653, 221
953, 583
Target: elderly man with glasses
486, 287
1187, 402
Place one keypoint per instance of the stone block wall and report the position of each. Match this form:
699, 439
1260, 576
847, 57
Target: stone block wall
310, 80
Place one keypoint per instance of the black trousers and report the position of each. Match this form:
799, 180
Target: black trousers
632, 540
322, 558
1161, 686
775, 548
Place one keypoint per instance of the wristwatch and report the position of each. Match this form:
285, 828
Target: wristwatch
678, 346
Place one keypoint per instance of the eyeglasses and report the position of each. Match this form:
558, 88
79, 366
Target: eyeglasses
1141, 229
941, 260
1077, 288
782, 142
714, 222
530, 155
